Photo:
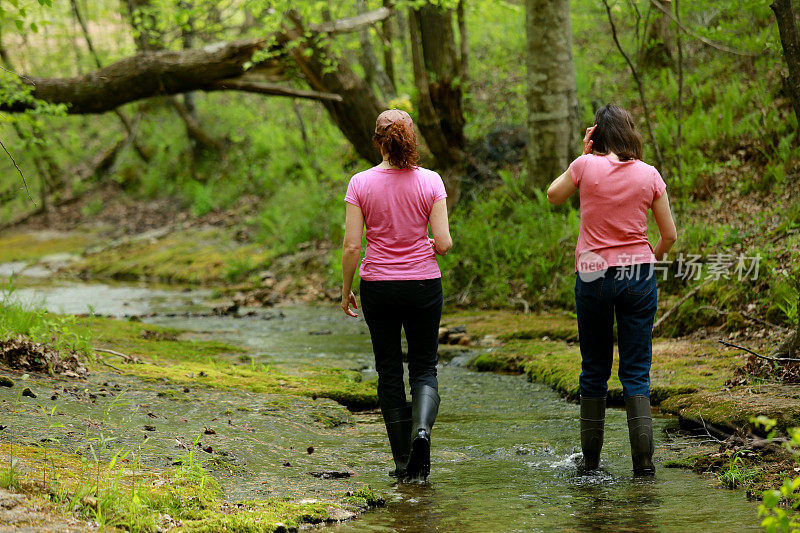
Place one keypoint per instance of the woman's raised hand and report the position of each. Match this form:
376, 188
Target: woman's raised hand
347, 302
587, 140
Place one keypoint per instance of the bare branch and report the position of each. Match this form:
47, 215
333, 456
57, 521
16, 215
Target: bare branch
748, 350
680, 303
28, 192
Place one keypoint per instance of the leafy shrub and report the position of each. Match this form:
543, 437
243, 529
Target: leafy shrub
509, 246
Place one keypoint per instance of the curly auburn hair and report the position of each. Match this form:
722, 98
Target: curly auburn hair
399, 142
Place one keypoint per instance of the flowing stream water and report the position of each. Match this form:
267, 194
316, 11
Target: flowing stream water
502, 457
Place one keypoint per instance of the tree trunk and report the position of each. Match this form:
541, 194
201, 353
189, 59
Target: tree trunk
388, 58
356, 112
436, 69
442, 67
657, 46
552, 97
373, 71
787, 25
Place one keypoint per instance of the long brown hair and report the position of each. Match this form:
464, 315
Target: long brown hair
399, 142
616, 132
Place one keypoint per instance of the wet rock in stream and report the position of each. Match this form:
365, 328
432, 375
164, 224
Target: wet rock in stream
6, 381
29, 393
331, 474
454, 335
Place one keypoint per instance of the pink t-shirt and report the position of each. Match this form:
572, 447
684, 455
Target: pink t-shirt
615, 198
397, 204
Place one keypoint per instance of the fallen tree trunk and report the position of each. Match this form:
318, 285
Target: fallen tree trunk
168, 72
146, 74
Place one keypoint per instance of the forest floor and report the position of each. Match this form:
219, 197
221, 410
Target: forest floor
704, 383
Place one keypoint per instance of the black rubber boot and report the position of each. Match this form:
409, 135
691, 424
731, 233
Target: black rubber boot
593, 418
424, 408
640, 428
398, 427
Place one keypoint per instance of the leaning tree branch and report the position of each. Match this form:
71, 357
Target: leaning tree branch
639, 85
350, 24
169, 72
683, 300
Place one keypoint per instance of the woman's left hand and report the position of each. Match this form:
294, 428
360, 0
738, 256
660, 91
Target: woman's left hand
347, 302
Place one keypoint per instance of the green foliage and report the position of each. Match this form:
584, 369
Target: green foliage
288, 160
779, 506
511, 246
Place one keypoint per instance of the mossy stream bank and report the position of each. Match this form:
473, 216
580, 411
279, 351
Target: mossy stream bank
690, 379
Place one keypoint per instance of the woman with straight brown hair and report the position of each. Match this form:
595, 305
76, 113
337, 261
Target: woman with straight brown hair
615, 276
401, 284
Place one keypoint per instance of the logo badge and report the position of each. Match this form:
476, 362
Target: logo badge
591, 266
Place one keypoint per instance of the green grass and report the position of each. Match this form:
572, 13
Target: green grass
737, 474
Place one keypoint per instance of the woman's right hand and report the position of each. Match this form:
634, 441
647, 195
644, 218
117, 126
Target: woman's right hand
587, 140
349, 300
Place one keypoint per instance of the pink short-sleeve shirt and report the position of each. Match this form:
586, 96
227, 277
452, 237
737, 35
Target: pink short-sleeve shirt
615, 197
397, 205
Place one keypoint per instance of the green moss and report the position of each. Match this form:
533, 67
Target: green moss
126, 337
171, 394
679, 367
735, 322
212, 364
185, 257
509, 325
736, 407
686, 459
28, 246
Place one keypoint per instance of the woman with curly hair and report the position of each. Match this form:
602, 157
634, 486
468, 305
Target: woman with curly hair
401, 287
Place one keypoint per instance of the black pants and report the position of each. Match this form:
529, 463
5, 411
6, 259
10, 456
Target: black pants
416, 306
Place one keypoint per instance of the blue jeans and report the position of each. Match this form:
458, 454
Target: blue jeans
633, 300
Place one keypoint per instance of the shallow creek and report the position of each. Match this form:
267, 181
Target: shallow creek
502, 447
